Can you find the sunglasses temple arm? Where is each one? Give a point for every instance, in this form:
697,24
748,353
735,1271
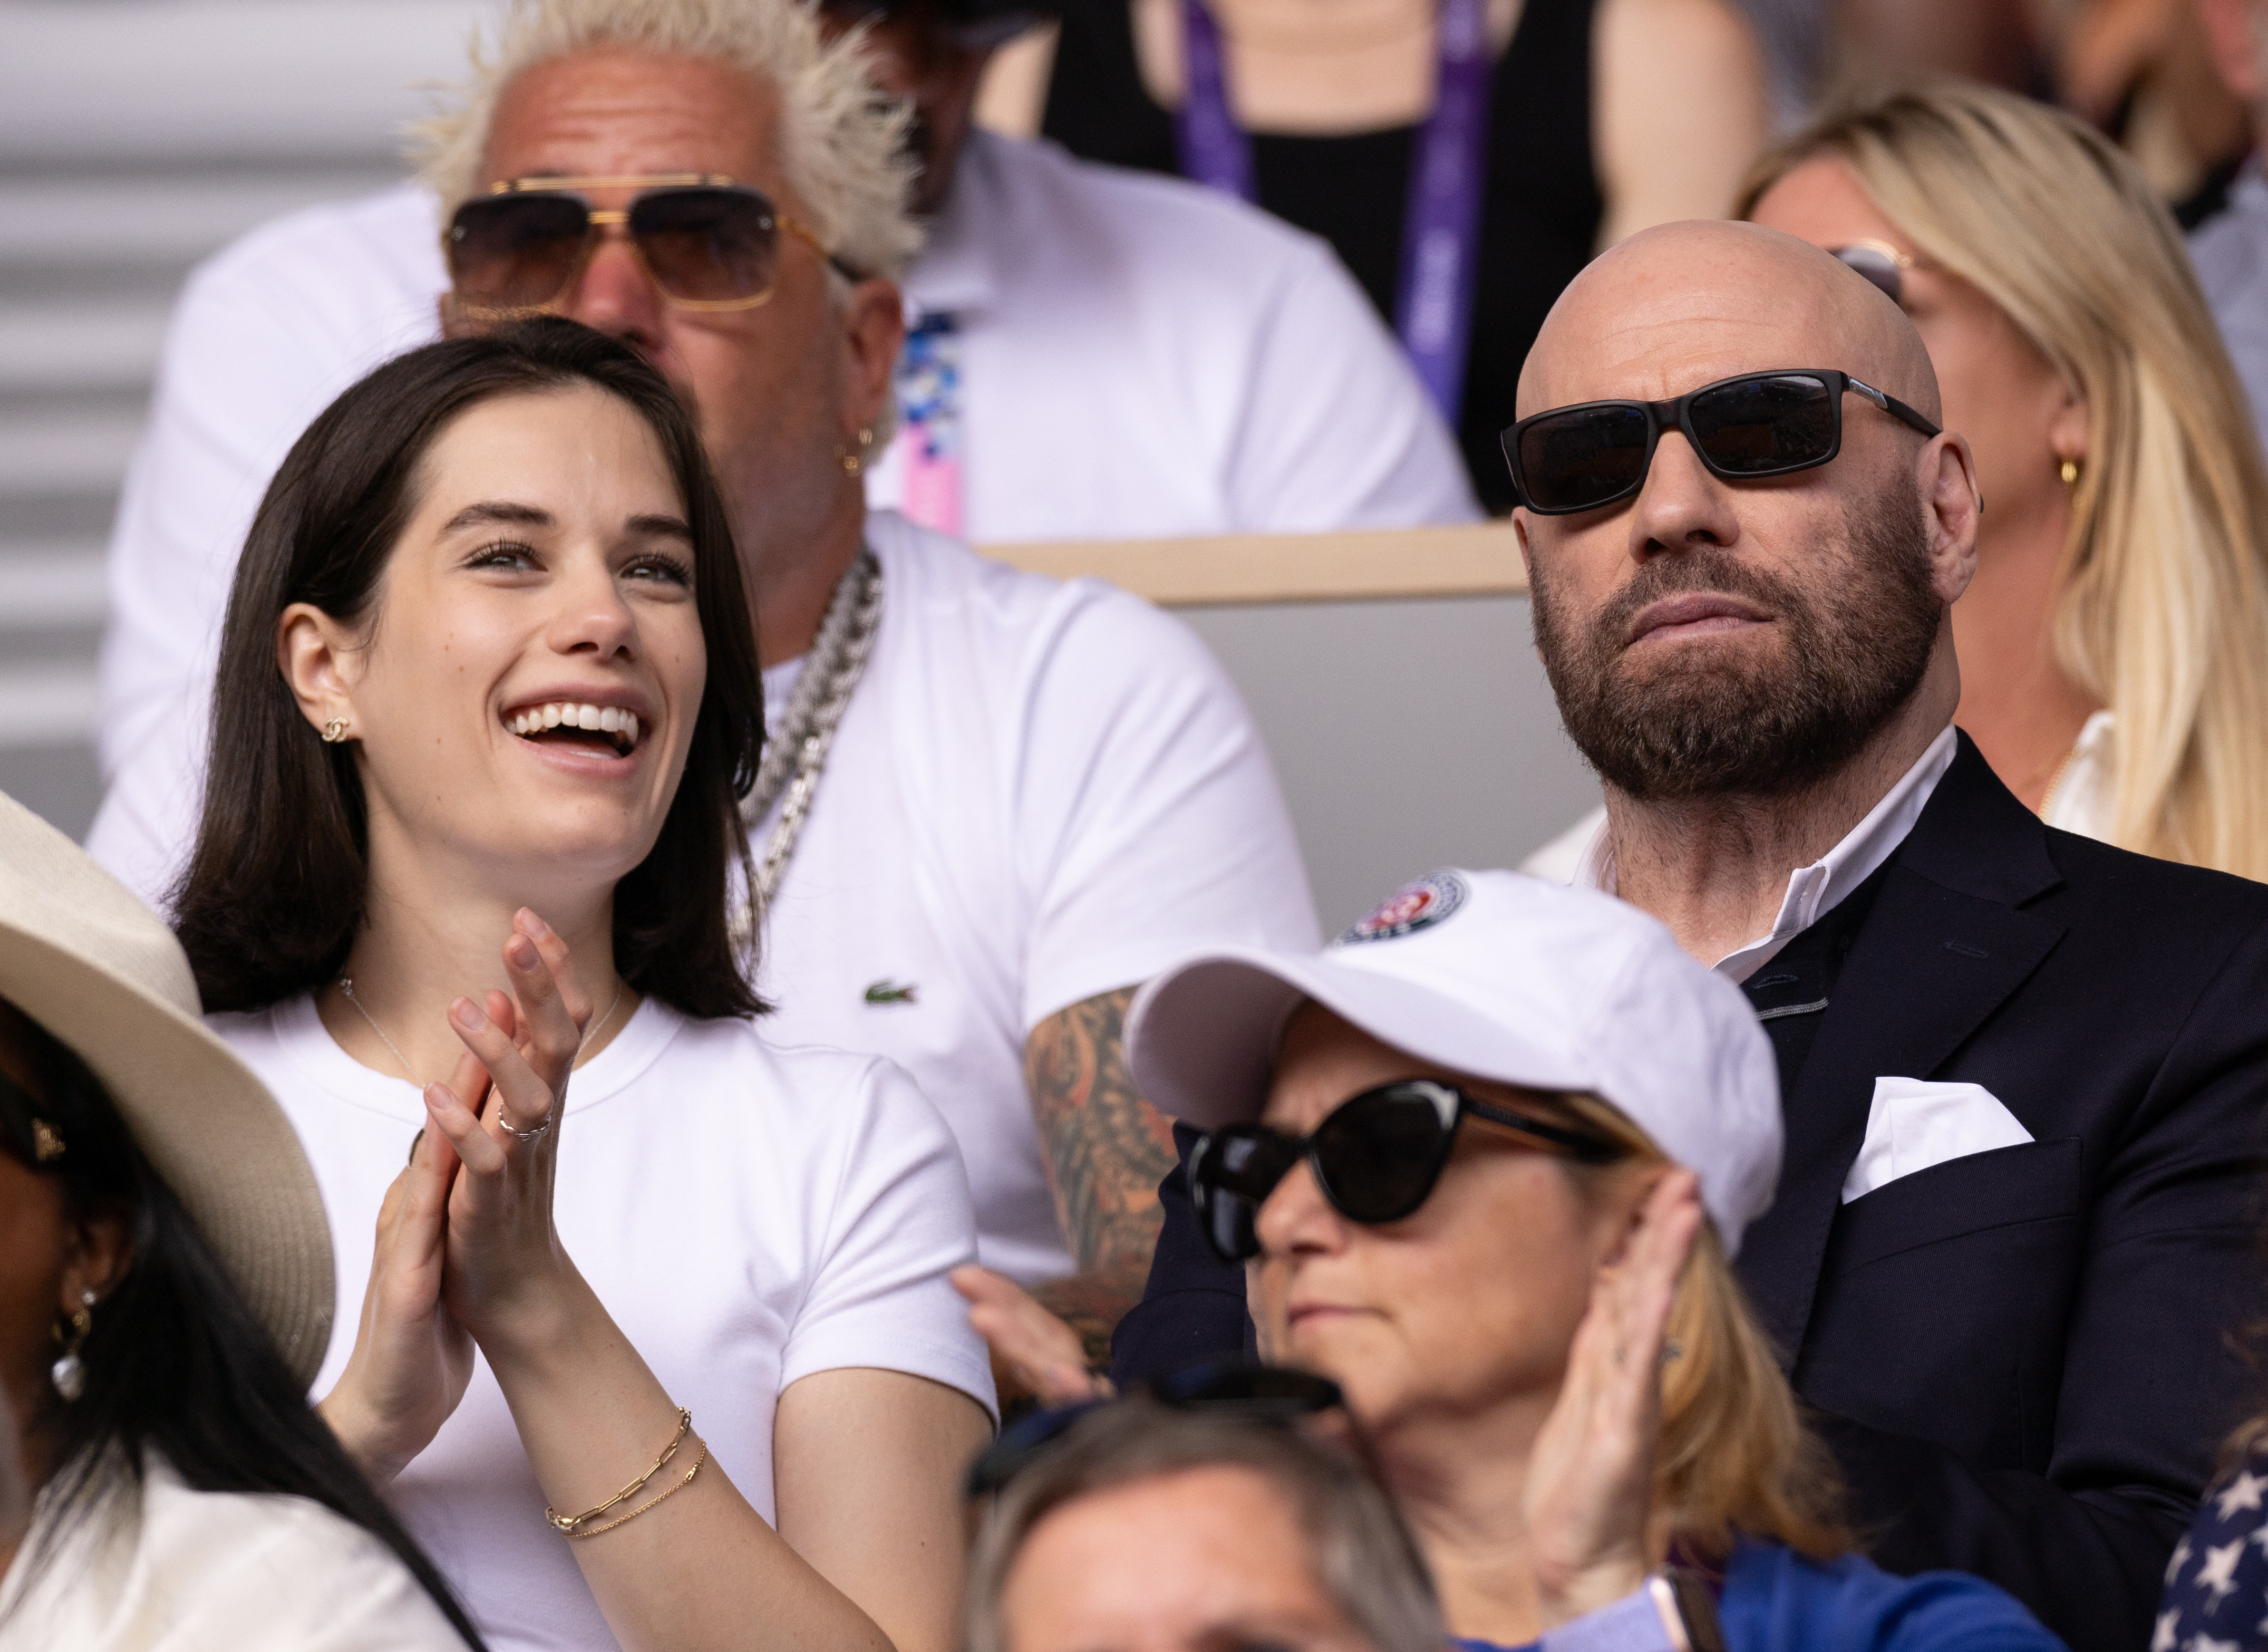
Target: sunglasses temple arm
1895,408
1591,1149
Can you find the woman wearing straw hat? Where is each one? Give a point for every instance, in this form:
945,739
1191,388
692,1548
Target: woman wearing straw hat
164,1295
488,656
1486,1158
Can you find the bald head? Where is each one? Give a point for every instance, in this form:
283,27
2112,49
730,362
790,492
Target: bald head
1683,305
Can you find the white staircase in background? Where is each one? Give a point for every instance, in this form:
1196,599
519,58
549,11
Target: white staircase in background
137,136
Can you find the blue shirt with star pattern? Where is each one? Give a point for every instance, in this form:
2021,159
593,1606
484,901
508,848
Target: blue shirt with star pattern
2216,1597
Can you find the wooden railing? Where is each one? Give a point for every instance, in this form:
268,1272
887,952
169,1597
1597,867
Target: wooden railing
1477,559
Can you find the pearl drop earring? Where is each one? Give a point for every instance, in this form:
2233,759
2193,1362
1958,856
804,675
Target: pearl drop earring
67,1374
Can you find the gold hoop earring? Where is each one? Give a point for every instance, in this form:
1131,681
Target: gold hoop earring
2069,471
853,464
67,1373
335,730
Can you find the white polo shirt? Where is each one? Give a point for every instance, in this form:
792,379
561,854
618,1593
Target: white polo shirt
1041,791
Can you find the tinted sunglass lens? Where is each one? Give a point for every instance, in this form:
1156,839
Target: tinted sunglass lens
1583,457
1877,266
1760,426
1232,1173
516,252
1377,1157
708,246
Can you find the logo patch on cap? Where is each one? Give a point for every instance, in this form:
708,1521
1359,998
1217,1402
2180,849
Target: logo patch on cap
1414,906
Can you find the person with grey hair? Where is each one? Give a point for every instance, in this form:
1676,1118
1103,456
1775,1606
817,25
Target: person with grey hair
1151,1528
990,803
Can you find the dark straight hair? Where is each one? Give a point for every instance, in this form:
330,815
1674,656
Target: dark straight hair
176,1363
274,889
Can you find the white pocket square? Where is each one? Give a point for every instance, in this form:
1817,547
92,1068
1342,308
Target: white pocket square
1914,1124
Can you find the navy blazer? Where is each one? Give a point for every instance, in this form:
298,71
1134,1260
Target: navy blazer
2026,1359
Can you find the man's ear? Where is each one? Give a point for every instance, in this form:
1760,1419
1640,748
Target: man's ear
1952,506
321,660
874,332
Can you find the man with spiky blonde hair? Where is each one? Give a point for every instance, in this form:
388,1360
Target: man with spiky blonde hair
990,804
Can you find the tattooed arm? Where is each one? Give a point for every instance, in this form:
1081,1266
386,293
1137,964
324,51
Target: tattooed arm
1106,1150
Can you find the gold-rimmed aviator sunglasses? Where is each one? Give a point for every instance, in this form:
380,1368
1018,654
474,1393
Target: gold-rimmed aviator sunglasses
706,241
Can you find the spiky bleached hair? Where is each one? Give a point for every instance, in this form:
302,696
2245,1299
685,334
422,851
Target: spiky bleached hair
841,141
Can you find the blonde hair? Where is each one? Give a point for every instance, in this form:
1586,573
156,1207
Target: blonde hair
2162,614
1735,1458
841,141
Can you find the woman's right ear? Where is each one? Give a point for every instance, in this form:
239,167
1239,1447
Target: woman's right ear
311,650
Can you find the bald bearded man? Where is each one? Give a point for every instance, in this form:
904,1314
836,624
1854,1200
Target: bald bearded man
2024,1075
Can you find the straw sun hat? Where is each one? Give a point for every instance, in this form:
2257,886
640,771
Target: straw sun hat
96,968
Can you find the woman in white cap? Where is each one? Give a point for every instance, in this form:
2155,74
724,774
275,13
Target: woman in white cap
1486,1158
165,1295
487,657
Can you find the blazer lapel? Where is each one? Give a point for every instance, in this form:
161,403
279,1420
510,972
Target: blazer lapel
1942,948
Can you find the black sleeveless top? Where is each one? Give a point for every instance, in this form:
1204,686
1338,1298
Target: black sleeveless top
1539,221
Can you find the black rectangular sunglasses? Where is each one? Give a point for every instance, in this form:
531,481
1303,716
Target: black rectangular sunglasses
1758,424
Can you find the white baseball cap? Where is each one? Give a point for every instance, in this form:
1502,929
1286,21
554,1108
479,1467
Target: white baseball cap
1498,976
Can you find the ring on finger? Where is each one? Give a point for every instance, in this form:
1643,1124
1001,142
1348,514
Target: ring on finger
536,1134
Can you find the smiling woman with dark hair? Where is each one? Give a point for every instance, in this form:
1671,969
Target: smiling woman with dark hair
487,704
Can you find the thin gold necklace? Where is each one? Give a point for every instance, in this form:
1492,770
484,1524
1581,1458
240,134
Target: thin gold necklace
346,986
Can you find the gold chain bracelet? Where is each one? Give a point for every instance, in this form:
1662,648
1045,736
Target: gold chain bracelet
701,1456
572,1525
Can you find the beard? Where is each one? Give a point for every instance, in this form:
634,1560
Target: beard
1698,720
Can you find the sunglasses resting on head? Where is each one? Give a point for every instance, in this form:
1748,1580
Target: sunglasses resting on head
706,243
1273,1393
1743,429
1376,1158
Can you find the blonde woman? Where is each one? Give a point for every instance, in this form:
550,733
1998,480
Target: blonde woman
1487,1163
2114,645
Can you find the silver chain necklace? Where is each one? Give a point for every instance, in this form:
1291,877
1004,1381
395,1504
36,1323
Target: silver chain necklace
346,986
795,757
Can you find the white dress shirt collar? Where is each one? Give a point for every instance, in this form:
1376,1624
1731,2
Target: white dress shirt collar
1815,889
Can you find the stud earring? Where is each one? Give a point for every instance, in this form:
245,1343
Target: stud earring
335,730
67,1373
854,463
2069,471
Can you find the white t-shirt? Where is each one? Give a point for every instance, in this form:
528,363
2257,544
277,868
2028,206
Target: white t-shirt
177,1570
748,1215
1041,791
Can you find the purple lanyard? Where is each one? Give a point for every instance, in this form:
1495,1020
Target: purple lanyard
1448,168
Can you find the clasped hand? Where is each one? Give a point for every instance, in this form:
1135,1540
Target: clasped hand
467,1248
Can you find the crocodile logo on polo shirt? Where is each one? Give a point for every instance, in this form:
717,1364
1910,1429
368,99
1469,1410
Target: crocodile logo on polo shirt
888,992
